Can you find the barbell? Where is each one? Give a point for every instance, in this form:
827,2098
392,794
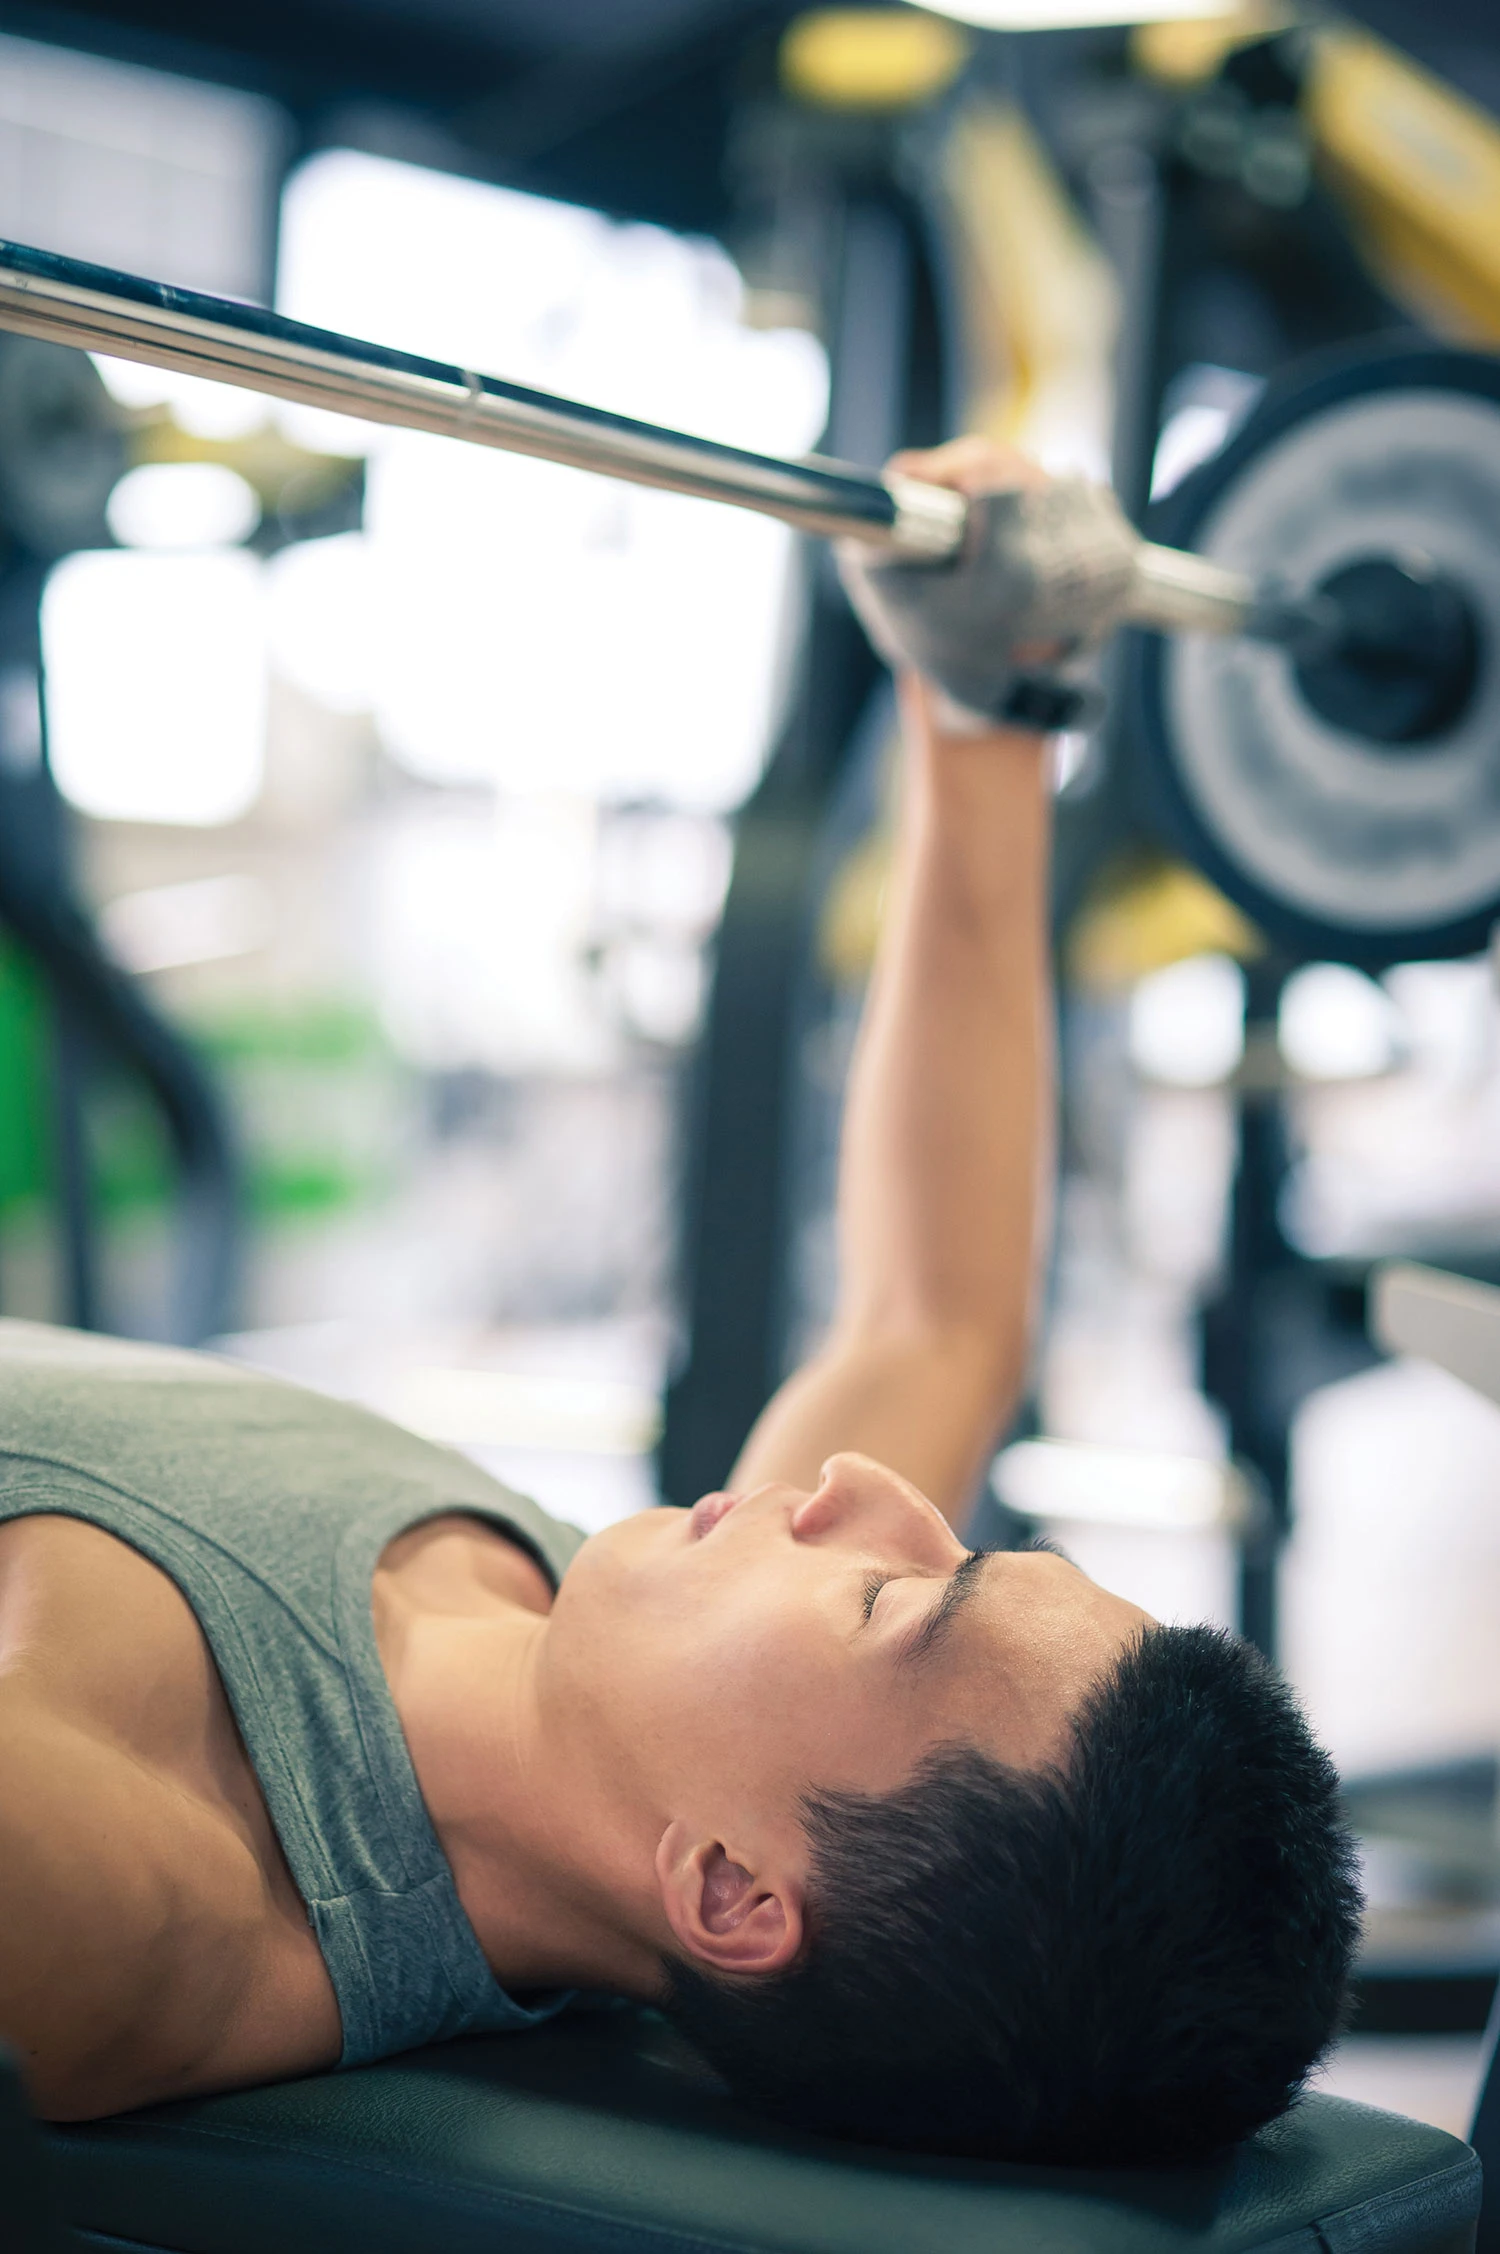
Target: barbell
1321,729
67,301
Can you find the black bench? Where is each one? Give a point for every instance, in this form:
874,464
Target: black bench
604,2134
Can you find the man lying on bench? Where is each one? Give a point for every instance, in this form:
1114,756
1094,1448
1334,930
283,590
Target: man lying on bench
316,1743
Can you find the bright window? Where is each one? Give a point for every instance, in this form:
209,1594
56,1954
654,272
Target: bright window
507,621
156,684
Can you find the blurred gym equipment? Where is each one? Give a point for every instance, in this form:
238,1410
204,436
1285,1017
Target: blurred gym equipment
1450,1320
1297,195
61,450
1454,1322
1345,802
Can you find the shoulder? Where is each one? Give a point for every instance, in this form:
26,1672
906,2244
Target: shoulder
146,1917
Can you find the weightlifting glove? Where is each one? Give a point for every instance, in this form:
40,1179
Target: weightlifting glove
1050,565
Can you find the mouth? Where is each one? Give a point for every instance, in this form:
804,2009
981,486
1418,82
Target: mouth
707,1512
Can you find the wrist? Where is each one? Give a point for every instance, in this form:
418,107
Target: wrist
938,730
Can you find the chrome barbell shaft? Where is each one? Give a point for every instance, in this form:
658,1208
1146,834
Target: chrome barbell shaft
68,301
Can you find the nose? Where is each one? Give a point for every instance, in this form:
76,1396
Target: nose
857,1498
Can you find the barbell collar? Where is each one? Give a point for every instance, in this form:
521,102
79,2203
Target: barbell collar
930,519
1177,592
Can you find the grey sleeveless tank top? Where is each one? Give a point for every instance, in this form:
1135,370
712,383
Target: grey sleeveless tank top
269,1507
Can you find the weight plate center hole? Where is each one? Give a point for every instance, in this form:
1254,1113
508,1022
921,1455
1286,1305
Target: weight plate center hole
1404,658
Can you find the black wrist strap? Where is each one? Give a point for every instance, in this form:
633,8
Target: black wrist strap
1041,701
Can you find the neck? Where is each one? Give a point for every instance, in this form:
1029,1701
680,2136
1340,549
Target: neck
550,1873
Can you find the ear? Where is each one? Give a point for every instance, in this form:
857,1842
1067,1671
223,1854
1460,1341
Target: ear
722,1914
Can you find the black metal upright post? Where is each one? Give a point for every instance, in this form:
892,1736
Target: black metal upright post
1243,1368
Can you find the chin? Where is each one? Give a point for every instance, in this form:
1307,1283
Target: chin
617,1555
619,1618
645,1585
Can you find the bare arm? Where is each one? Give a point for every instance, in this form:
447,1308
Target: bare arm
125,1972
947,1130
86,1927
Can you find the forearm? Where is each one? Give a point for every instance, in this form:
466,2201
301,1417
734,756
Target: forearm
947,1136
947,1128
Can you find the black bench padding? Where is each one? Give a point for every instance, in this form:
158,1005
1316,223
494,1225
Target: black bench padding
602,2133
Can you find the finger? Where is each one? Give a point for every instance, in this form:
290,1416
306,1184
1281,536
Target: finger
971,464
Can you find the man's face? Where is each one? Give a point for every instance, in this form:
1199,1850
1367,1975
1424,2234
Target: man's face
726,1660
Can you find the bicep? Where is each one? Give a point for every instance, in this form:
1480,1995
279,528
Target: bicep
929,1405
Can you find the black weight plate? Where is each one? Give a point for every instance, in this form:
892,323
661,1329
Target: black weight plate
1340,847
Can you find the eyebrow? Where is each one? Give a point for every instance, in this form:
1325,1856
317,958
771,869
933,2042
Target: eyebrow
961,1585
1045,1543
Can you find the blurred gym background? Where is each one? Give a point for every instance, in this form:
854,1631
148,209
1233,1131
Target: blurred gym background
436,889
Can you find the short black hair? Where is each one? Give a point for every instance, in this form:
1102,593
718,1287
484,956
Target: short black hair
1135,1958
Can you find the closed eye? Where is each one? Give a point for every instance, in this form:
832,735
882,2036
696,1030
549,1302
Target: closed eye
874,1583
940,1619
